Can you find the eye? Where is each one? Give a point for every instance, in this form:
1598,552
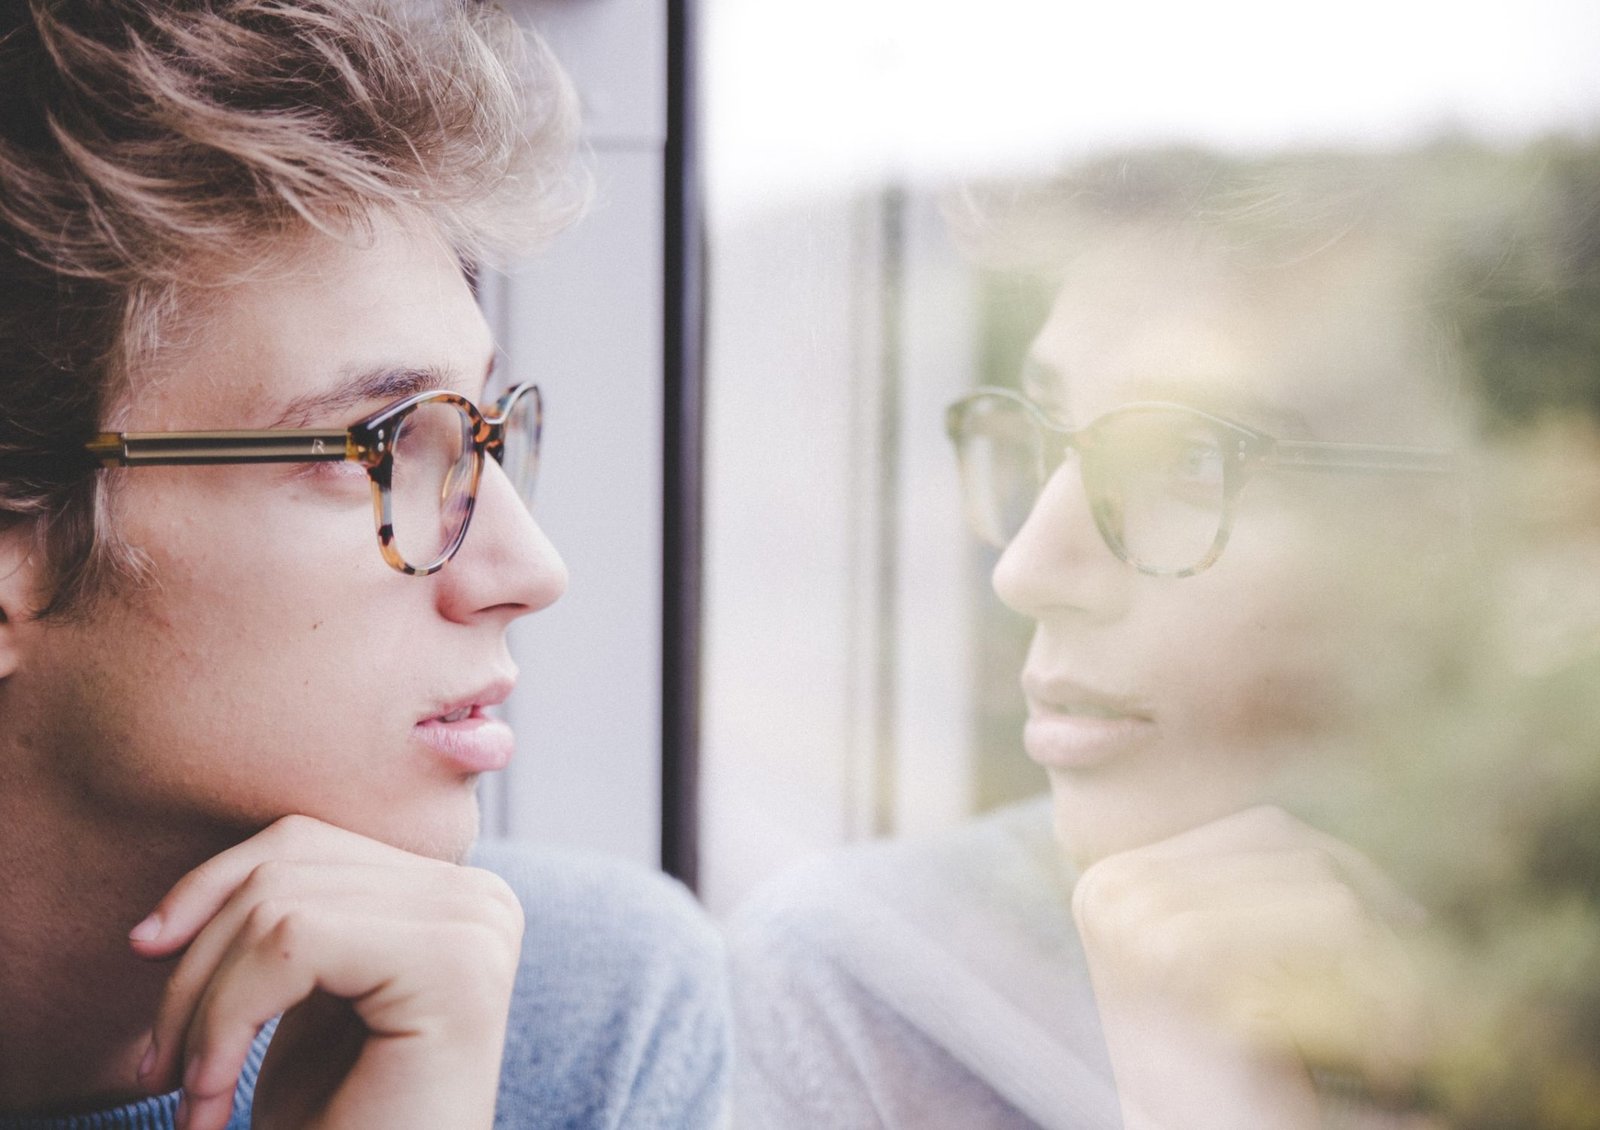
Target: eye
1195,459
331,476
1159,444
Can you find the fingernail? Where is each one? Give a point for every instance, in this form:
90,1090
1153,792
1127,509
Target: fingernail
148,930
148,1063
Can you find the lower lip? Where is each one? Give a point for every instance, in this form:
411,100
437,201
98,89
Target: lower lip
1081,741
476,744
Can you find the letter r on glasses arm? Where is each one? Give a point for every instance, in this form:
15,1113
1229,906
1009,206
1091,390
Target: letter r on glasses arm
280,445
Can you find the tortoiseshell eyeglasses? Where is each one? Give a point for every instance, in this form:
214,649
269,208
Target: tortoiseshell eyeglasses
424,455
1162,479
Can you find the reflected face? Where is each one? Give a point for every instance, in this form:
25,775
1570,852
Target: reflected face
1157,704
275,663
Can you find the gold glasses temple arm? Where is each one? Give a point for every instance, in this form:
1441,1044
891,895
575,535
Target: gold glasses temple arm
283,445
1380,458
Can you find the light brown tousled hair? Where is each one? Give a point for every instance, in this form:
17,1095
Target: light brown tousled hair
140,139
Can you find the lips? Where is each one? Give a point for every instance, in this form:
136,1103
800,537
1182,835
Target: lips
1072,725
453,708
464,736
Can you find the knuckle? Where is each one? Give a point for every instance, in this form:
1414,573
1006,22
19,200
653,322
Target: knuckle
467,954
1189,957
293,827
1174,949
268,916
485,883
266,879
1093,892
1112,890
507,919
491,899
286,937
488,958
182,986
1318,863
1271,819
211,1077
1347,907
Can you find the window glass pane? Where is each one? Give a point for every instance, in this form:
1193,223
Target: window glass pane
1258,765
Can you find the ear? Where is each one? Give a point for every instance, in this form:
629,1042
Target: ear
18,580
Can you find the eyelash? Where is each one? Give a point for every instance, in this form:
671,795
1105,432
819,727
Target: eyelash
331,473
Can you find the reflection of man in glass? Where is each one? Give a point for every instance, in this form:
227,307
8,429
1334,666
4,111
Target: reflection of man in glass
1232,494
263,529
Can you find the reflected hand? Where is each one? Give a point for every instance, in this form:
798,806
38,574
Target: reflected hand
1230,961
393,972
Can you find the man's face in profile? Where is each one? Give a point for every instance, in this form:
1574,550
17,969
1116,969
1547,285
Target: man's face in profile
1159,704
273,663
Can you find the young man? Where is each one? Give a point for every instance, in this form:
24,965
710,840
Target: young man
240,727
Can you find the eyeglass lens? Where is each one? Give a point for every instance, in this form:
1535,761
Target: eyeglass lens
431,481
1156,479
519,452
435,470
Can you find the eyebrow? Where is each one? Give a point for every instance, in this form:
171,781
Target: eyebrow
386,383
1233,404
1043,384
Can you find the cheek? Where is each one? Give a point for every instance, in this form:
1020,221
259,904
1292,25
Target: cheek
1277,641
233,720
244,525
268,638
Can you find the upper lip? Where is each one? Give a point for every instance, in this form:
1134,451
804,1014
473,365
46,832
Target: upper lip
1060,694
492,693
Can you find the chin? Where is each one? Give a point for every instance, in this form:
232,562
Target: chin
448,840
444,832
1091,826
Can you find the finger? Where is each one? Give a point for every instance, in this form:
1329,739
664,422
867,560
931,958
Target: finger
1315,975
1267,828
380,894
1138,892
196,898
1371,1015
279,960
1222,946
264,972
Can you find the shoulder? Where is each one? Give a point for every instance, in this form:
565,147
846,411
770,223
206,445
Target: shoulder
930,978
1001,871
576,899
620,1015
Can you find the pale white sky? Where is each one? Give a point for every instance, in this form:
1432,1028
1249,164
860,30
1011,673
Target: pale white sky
810,96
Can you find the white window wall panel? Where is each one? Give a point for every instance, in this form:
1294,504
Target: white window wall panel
616,53
935,583
584,320
775,734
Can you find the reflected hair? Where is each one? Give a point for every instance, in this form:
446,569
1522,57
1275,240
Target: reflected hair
1502,245
147,144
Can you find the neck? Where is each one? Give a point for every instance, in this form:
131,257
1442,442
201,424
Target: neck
78,1003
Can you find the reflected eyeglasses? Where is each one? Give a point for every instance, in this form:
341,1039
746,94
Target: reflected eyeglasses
1162,479
424,455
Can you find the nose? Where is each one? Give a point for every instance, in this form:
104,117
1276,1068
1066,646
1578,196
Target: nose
506,567
1058,563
